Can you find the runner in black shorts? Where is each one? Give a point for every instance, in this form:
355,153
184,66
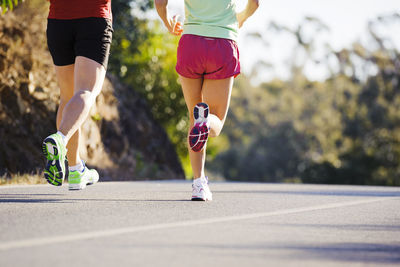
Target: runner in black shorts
87,37
79,34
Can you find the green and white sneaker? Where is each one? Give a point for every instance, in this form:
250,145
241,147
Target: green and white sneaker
55,152
79,180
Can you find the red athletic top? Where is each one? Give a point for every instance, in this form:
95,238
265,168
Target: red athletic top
76,9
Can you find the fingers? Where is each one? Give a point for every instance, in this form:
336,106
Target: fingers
176,25
175,18
178,28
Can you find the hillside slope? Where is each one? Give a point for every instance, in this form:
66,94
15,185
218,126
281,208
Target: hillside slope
120,137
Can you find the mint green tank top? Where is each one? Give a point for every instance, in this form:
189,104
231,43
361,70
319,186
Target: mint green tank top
211,18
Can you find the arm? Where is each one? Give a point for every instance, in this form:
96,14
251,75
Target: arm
251,7
172,24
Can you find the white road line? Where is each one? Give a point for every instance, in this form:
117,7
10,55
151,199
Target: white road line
127,230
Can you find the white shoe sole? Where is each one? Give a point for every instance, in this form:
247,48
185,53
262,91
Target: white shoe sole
77,186
201,197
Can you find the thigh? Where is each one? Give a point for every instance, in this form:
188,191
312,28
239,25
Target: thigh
217,94
191,89
88,75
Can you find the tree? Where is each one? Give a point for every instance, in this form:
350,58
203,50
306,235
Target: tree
143,56
344,130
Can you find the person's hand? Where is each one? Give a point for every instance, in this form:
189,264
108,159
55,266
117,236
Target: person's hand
174,26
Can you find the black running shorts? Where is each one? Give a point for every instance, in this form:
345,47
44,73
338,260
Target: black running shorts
86,37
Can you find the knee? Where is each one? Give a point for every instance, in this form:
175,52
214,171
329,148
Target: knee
214,132
87,96
217,122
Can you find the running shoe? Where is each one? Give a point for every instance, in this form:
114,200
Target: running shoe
79,180
57,165
199,133
200,190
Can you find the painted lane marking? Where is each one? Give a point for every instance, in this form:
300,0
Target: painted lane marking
127,230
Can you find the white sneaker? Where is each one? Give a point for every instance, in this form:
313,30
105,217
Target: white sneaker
200,190
78,180
199,133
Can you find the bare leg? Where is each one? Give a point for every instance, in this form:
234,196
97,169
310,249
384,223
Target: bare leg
216,93
89,77
65,77
192,92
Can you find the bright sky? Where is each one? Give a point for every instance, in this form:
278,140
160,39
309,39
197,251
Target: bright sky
346,19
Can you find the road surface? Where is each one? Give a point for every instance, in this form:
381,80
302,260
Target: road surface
155,224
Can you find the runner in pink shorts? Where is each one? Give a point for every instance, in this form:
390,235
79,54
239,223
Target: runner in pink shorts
202,57
207,63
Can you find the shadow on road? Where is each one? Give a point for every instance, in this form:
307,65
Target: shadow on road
22,200
347,227
349,193
31,198
337,252
351,252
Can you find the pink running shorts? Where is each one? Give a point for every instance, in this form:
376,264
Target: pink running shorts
207,57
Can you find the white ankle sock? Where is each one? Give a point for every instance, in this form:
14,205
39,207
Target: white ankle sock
199,180
78,167
63,137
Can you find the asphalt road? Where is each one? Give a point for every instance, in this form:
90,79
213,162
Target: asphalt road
155,224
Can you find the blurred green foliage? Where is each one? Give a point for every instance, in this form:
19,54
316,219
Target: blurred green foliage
344,130
6,5
143,56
